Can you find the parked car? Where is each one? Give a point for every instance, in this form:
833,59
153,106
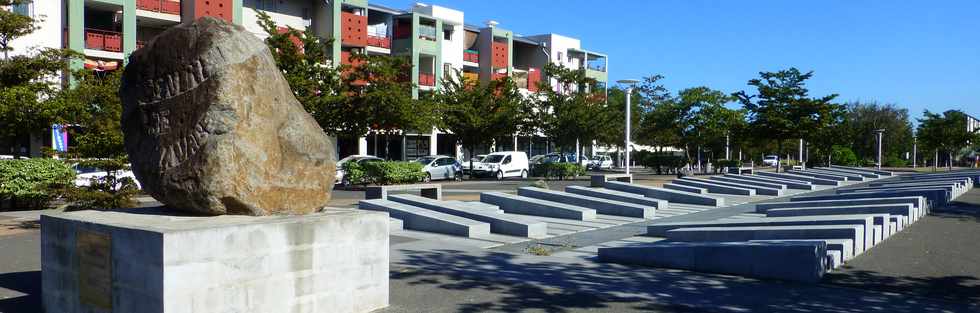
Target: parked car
475,161
770,160
84,175
361,159
601,162
504,164
440,167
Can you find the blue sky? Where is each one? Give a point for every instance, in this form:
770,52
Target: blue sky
916,54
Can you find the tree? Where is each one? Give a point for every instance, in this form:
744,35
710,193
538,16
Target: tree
862,119
566,114
94,110
613,114
476,113
27,80
781,109
946,132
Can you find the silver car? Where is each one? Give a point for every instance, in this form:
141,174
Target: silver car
440,167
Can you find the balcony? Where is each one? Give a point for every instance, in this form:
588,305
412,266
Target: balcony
353,29
103,40
497,76
427,79
527,78
471,56
427,32
161,6
501,55
378,41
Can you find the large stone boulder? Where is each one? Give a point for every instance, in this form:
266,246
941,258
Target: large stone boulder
212,127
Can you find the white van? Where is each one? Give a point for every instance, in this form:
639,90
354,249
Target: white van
503,164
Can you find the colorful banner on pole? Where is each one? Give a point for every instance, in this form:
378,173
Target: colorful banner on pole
59,138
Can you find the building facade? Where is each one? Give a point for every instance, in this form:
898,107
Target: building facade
439,41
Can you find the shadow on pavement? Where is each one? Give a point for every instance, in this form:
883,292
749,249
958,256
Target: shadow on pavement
559,285
28,283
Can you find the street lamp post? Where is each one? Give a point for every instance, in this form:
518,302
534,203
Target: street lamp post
629,94
915,143
880,132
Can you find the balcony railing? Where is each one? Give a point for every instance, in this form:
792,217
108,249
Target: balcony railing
471,56
427,32
103,40
427,79
162,6
377,41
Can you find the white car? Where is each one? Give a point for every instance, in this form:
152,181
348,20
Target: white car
341,175
504,164
600,162
440,167
476,161
85,175
771,160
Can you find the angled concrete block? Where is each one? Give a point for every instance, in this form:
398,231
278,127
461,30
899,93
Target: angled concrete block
862,169
713,187
813,180
600,205
839,170
853,232
667,194
844,246
849,176
476,206
917,201
818,175
894,209
499,223
416,218
601,179
793,261
758,190
618,196
867,222
747,182
684,188
531,206
791,184
935,197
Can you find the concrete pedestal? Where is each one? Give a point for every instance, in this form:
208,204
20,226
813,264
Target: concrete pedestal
335,261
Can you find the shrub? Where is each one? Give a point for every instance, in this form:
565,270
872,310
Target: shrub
354,173
661,161
724,164
105,192
559,170
895,161
33,183
392,172
844,156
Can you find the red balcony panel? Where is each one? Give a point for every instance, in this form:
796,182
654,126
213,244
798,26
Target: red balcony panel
353,29
533,78
149,5
94,40
500,55
497,76
381,42
471,56
427,79
170,7
113,42
215,8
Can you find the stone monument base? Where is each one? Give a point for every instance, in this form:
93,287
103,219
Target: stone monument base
155,262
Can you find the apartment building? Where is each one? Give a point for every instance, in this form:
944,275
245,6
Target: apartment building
438,40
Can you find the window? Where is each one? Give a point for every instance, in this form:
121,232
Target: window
561,57
506,160
447,34
26,9
447,70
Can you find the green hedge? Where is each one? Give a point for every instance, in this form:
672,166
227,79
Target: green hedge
844,156
104,192
660,161
560,170
354,173
32,183
895,161
724,164
392,172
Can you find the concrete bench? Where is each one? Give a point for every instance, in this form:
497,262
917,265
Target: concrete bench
791,184
741,170
951,191
618,196
935,197
667,194
862,169
792,261
600,205
499,223
902,209
844,246
600,180
714,188
960,182
840,170
684,188
758,190
432,191
818,175
416,218
917,202
531,206
848,176
812,180
475,206
853,232
867,223
732,179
